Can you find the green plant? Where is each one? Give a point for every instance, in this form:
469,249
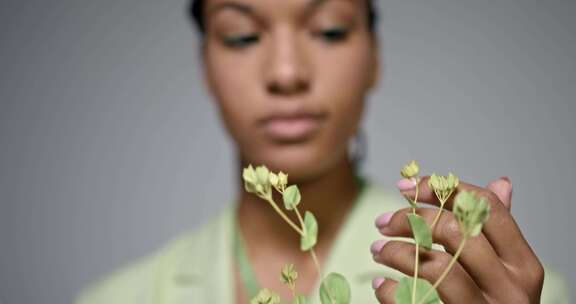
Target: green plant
470,211
334,288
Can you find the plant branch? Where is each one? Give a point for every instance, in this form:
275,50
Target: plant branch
300,219
316,264
416,261
417,255
283,215
446,271
437,217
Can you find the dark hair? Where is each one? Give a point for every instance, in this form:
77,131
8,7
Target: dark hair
195,9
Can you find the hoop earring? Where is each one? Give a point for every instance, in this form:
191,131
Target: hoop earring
358,149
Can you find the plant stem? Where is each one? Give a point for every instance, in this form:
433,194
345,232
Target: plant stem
417,189
416,261
437,217
442,202
316,264
300,219
447,270
417,255
284,216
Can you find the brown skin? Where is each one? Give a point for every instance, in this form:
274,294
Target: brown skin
497,266
286,63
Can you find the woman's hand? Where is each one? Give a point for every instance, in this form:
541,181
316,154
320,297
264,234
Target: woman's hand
497,266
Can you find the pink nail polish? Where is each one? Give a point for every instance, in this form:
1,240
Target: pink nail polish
406,184
377,282
383,220
377,246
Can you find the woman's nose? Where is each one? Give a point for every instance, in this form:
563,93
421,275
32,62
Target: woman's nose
286,68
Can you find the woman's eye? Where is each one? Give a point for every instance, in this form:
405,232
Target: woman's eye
240,40
333,34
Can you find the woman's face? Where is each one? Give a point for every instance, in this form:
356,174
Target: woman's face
290,78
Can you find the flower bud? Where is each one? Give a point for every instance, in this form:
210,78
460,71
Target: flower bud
273,178
282,180
443,186
266,296
410,170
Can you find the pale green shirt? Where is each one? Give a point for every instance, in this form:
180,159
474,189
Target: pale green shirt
197,268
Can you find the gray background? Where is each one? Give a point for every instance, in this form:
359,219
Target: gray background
110,145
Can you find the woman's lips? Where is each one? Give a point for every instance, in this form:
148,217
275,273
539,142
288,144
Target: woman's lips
291,128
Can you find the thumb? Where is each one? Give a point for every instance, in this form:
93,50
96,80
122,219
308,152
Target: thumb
502,187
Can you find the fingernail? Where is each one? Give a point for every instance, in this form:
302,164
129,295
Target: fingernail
406,184
383,219
377,246
506,178
377,282
511,191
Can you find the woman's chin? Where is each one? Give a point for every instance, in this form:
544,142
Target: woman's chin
300,163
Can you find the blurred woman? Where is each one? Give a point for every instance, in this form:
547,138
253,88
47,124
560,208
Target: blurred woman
290,78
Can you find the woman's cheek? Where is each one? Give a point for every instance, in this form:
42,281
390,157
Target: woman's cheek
236,92
344,92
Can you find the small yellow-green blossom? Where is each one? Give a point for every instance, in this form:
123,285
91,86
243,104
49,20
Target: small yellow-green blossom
262,175
410,170
273,178
471,211
266,296
257,180
249,177
443,186
288,275
282,180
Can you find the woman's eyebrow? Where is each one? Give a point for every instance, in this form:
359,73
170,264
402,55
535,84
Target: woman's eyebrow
314,5
246,9
237,6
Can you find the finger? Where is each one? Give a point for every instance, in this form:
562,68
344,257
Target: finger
384,290
502,187
477,253
531,275
501,229
457,287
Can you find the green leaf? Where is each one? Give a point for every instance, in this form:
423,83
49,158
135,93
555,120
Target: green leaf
420,230
299,299
308,240
266,296
471,211
291,197
403,292
335,289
